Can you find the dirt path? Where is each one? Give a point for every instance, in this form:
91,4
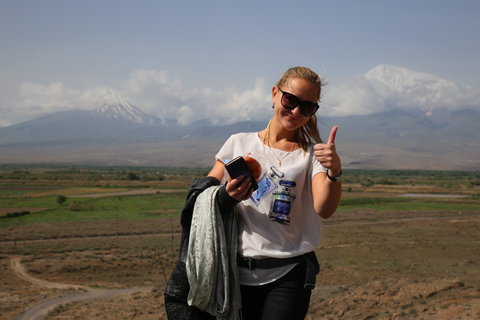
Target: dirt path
40,310
125,193
17,267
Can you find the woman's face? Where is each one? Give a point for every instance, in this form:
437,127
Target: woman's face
303,90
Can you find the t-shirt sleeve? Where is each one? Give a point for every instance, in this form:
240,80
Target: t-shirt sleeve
225,153
316,166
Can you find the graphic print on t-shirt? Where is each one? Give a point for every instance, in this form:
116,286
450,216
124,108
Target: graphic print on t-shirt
282,203
267,185
282,200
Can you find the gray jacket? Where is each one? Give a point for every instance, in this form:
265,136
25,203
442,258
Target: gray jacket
212,258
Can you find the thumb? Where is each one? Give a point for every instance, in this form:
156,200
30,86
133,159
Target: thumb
333,133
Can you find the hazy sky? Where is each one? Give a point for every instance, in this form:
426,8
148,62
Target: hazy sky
194,59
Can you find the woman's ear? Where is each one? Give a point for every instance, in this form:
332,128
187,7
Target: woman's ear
274,94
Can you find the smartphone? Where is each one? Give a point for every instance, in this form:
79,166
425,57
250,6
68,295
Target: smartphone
238,167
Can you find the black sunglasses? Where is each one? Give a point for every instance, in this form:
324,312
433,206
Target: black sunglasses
290,102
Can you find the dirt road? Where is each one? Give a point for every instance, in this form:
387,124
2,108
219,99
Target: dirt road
40,310
17,267
125,193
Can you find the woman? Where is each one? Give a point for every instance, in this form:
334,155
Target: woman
279,224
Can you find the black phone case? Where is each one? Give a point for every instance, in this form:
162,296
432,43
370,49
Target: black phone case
238,167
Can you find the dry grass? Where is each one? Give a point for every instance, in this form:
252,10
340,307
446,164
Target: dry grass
374,264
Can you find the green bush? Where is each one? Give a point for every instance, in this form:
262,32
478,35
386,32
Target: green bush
386,182
61,199
132,176
367,183
15,214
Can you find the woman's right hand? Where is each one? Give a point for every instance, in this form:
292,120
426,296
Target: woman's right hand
239,188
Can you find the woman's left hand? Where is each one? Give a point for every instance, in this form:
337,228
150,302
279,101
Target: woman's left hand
327,155
239,188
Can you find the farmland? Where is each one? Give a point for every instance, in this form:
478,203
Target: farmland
402,244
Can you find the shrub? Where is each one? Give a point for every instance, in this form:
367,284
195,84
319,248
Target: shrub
15,214
81,207
386,182
132,176
61,199
367,183
74,207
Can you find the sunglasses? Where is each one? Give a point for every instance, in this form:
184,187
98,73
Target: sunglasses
290,102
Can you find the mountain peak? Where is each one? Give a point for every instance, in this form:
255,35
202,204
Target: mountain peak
404,80
424,90
117,107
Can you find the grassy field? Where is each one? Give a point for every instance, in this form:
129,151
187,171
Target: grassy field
382,256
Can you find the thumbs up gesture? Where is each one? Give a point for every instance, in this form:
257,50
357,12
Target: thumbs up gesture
327,155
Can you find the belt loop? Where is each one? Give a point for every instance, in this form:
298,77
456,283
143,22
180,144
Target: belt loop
248,263
251,263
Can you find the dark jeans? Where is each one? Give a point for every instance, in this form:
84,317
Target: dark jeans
284,299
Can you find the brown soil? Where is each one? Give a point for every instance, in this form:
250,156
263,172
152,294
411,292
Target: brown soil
393,265
19,270
40,310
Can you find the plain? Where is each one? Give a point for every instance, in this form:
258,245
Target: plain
383,255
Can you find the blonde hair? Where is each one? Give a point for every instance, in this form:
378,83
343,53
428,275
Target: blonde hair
308,133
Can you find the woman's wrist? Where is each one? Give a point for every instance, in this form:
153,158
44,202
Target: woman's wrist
335,176
224,200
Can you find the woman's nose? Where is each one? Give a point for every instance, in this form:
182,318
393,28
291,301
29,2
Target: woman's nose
296,111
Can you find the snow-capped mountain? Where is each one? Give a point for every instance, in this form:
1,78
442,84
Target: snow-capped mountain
424,90
407,119
404,80
116,107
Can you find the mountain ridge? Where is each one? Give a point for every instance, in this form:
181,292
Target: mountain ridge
412,141
118,130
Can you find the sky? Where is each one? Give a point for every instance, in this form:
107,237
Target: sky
219,60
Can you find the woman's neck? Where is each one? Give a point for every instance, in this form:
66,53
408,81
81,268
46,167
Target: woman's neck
276,136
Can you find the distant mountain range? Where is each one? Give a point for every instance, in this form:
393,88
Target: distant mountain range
117,132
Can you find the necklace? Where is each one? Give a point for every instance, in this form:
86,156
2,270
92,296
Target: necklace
275,152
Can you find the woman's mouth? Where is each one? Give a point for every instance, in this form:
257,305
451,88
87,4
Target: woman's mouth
292,118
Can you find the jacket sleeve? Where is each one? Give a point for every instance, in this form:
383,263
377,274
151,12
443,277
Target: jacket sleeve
224,201
177,288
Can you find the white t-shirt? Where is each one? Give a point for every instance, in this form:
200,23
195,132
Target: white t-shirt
285,192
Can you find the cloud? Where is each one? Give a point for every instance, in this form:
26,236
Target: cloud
404,90
356,96
151,82
154,92
42,99
163,95
250,104
185,116
36,100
